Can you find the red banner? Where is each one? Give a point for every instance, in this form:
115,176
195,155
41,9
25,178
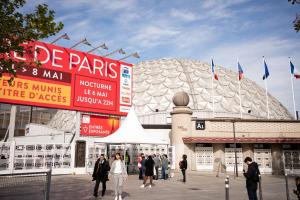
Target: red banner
70,79
101,126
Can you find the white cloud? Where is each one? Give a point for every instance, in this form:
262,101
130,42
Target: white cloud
220,8
184,15
153,35
276,51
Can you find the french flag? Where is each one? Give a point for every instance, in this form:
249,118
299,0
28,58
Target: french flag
213,70
295,74
241,72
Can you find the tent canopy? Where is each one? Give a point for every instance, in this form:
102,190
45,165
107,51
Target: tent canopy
131,132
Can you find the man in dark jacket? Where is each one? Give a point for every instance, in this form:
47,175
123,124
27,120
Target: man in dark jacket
252,178
100,174
183,167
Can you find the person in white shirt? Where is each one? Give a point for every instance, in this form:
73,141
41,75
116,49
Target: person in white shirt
119,172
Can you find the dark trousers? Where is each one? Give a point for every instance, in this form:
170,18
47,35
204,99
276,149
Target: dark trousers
97,187
156,170
141,174
163,171
252,193
183,174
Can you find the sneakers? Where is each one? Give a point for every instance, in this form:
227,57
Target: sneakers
116,198
142,186
120,197
150,186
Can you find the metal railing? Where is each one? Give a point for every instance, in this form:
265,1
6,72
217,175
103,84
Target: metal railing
32,185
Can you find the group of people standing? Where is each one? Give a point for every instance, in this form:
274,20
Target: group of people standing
119,173
147,164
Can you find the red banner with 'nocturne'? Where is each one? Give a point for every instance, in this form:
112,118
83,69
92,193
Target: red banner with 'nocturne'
69,79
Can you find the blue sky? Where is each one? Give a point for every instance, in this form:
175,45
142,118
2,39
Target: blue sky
222,29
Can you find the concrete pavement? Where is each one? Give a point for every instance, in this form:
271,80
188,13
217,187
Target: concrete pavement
199,186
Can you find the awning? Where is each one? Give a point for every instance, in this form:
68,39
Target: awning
239,140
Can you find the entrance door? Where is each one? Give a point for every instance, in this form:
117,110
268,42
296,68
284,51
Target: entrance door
80,154
94,152
263,158
292,161
230,159
204,158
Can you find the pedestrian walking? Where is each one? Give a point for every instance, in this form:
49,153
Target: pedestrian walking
140,166
118,170
297,191
100,174
157,164
164,166
127,161
252,178
183,167
149,165
143,163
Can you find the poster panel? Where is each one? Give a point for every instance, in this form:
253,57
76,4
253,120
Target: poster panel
69,79
101,126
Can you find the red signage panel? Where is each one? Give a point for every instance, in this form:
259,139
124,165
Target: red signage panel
70,79
100,126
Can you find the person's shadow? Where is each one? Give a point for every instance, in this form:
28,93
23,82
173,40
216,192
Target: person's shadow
111,193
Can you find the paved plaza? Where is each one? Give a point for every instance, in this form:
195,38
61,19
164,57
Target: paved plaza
199,186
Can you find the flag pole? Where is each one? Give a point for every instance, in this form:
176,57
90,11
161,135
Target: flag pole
266,87
239,83
212,86
292,83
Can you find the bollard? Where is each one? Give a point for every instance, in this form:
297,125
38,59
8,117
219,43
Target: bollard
287,187
260,190
227,188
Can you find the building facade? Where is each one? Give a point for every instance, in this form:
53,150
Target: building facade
211,144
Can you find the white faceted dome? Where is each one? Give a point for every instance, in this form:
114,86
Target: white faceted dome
155,83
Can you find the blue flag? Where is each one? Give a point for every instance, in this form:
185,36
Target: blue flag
266,75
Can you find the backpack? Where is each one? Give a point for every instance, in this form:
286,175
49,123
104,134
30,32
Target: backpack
181,164
257,173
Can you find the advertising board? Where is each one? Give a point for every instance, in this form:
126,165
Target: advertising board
69,79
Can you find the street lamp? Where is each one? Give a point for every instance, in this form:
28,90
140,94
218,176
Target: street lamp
64,36
83,41
120,51
233,120
136,55
235,156
103,46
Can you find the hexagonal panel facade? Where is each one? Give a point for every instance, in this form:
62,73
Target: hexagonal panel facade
155,83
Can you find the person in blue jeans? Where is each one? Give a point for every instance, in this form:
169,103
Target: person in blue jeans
143,163
164,166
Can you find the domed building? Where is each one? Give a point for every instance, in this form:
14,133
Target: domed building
177,101
210,121
155,83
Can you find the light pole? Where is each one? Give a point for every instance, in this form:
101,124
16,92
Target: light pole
233,121
120,51
83,41
136,55
103,46
235,156
64,36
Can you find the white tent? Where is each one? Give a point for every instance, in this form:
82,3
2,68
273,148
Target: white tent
131,132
